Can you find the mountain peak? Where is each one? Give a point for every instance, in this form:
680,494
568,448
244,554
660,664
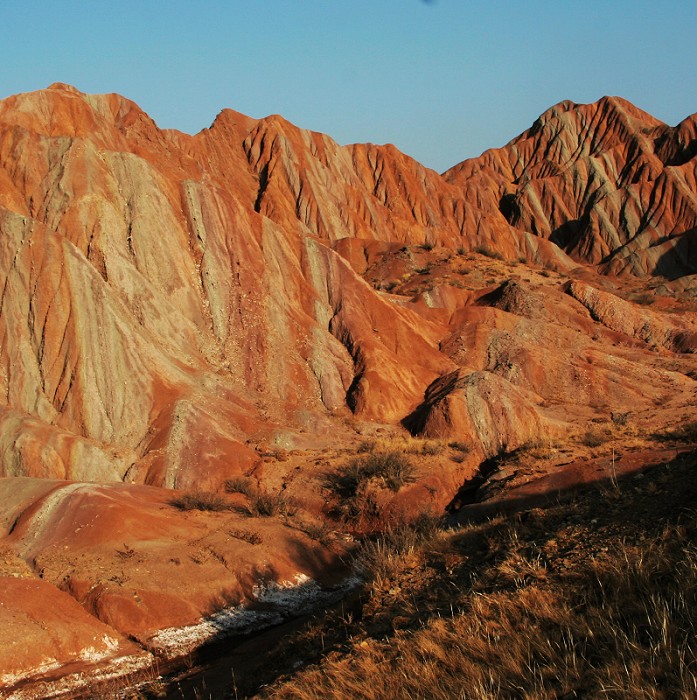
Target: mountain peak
65,87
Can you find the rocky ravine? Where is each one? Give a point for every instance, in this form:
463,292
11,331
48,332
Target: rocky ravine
179,311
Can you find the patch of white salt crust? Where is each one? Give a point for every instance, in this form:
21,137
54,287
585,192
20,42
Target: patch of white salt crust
116,668
282,601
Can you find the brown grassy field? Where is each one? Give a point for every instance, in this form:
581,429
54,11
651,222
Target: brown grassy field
590,599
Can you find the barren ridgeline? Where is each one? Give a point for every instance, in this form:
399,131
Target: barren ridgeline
233,360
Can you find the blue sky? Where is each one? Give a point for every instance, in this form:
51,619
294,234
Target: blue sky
442,80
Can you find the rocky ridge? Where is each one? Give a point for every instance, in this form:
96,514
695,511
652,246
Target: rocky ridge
248,303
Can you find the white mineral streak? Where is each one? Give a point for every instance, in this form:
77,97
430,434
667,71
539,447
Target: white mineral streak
281,600
116,668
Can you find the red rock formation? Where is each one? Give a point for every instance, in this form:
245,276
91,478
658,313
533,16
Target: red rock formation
607,182
160,287
171,303
142,290
45,629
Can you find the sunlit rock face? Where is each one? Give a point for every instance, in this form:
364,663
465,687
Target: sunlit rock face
168,297
252,302
608,183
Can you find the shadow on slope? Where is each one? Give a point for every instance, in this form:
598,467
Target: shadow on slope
588,578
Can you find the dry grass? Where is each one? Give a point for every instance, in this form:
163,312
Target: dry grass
687,432
263,504
595,437
574,601
200,500
400,547
243,485
625,630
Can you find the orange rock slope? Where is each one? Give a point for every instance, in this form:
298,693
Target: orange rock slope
166,297
177,308
608,183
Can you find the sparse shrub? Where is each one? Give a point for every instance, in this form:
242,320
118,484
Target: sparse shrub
459,446
461,251
594,438
200,500
619,418
484,250
457,458
261,503
426,246
390,470
241,485
423,270
348,479
265,505
245,536
366,446
393,468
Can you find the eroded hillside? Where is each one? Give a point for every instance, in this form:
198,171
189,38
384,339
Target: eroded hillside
239,315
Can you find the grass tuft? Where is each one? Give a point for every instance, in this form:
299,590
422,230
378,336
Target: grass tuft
263,504
241,485
245,536
200,500
488,252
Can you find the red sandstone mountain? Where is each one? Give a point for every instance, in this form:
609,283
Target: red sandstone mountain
145,270
176,308
607,182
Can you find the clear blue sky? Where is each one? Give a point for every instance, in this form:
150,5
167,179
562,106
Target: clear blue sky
443,80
